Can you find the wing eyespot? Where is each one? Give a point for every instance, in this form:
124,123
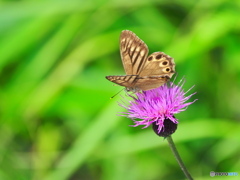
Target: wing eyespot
150,58
159,56
167,70
165,63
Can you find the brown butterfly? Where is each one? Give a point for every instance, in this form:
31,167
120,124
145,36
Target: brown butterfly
142,72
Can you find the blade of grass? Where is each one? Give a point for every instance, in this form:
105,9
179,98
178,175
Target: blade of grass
86,142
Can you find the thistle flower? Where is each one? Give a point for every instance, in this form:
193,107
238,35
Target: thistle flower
158,107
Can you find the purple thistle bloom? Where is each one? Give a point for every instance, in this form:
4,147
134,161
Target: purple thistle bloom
158,106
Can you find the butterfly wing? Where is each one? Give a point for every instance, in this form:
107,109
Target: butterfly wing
158,64
158,69
133,52
147,83
126,81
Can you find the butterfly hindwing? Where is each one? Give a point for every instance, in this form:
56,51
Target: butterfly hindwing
158,64
150,82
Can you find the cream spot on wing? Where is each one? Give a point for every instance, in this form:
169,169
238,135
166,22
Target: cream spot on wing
138,49
132,48
142,53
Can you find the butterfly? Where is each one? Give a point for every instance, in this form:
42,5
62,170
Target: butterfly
142,72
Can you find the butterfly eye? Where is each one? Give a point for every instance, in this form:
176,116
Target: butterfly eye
159,56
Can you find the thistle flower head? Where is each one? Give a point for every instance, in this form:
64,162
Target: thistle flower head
158,107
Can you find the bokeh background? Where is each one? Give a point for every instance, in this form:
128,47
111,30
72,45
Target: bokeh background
57,119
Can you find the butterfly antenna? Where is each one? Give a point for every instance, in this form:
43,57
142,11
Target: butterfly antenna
116,94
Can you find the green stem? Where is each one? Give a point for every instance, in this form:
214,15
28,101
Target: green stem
178,158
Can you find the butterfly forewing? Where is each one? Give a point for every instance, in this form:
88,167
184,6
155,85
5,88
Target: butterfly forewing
133,52
126,81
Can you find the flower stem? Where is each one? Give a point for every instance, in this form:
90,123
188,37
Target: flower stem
178,158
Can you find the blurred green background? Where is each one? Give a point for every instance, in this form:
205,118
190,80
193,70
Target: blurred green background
57,119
